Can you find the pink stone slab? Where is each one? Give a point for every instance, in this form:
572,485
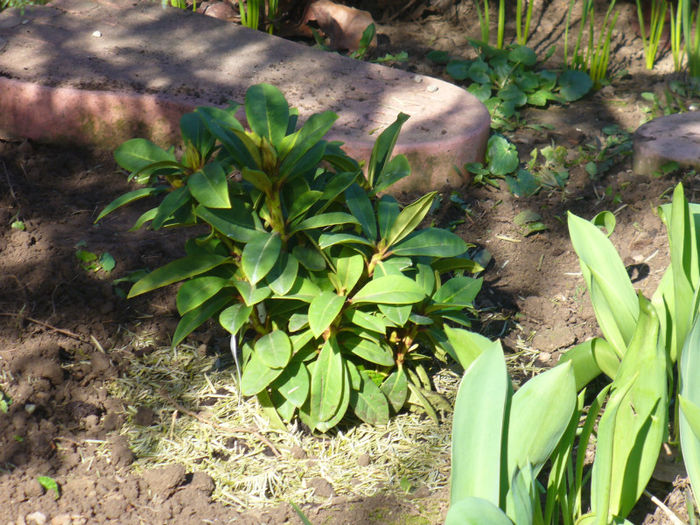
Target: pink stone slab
673,138
98,73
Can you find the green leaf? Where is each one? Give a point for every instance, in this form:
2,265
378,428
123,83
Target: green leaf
235,317
303,203
349,268
135,154
458,291
590,358
267,112
369,351
361,208
274,349
283,274
390,289
368,402
323,220
370,322
294,383
323,310
395,388
223,130
475,511
387,211
251,294
235,223
257,376
309,258
194,292
326,240
177,270
195,132
689,397
327,382
409,218
383,148
209,186
128,198
431,242
259,256
574,84
501,156
458,69
477,427
299,143
196,317
171,203
399,315
394,170
49,484
522,55
466,346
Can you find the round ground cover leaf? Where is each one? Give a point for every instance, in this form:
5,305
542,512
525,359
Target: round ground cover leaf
574,84
458,69
323,310
501,156
480,91
513,94
523,54
274,349
390,289
267,112
259,256
209,186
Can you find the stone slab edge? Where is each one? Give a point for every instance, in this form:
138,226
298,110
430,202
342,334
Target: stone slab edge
672,138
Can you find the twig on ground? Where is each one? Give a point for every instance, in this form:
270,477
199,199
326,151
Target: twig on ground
228,430
67,333
668,512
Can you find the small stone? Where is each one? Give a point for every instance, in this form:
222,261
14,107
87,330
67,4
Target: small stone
297,452
417,79
97,34
322,488
432,88
62,519
91,421
164,480
36,518
363,460
203,482
144,416
202,349
122,455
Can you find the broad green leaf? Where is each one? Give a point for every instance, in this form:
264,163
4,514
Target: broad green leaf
175,271
589,359
476,511
522,55
209,186
383,148
283,274
196,317
195,133
396,169
144,218
477,427
136,154
361,208
395,388
388,210
235,317
129,197
225,132
612,294
274,349
501,156
323,220
431,242
399,315
574,84
294,383
267,112
369,351
259,256
368,402
309,258
274,409
295,146
467,346
390,289
458,291
348,267
194,292
689,397
371,322
258,178
323,310
303,290
521,495
425,277
392,266
171,203
325,426
409,218
327,382
302,204
549,399
252,294
235,223
326,240
257,375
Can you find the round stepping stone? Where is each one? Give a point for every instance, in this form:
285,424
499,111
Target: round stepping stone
673,138
149,65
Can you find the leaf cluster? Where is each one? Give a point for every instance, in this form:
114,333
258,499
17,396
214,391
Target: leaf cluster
330,291
506,80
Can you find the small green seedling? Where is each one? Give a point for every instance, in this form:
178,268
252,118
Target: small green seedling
529,222
501,159
90,261
18,225
5,402
50,484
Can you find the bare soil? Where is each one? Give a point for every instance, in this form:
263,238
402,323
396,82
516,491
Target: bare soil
65,333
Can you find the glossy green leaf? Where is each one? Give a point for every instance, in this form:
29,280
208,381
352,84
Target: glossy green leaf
283,274
396,169
136,154
349,267
390,289
369,351
196,317
235,317
361,208
298,144
467,346
399,315
274,349
323,220
612,294
590,358
689,397
392,266
257,376
259,256
302,204
234,146
196,134
235,223
383,148
130,197
368,402
175,271
431,242
323,310
294,383
388,210
476,511
252,294
395,388
209,186
267,112
368,321
327,382
325,426
326,240
194,292
458,291
409,218
309,258
171,203
477,427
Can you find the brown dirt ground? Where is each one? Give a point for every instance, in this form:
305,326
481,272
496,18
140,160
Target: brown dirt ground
64,333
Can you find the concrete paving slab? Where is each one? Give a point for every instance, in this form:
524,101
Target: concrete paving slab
100,72
673,138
